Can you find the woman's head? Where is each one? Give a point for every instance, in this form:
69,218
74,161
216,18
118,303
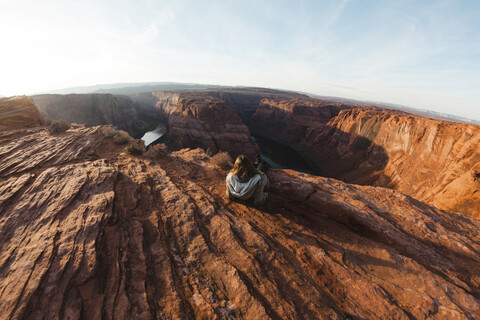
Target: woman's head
243,168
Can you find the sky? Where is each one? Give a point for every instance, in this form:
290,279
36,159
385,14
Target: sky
418,53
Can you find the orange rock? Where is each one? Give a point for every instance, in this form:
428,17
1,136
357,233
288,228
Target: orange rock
19,112
198,120
89,231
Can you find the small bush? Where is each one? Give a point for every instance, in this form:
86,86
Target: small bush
223,160
157,151
78,125
110,133
145,127
58,126
134,149
121,137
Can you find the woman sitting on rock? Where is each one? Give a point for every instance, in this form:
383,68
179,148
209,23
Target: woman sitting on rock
245,182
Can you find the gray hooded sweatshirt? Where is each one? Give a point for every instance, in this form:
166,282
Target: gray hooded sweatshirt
240,188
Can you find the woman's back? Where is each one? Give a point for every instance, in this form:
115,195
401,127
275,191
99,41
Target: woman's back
244,181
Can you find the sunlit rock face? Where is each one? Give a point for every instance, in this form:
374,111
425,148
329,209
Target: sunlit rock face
87,231
433,161
19,112
91,109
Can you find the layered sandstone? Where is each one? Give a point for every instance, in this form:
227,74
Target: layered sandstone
87,231
91,109
287,120
198,120
433,161
19,112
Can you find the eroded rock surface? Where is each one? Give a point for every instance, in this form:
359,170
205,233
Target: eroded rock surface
19,112
87,231
433,161
91,109
199,120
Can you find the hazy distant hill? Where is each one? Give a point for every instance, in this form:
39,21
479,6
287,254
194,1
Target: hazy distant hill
131,88
429,113
136,87
420,112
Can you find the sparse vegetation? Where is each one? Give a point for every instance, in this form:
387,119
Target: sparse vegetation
111,132
145,127
157,151
121,137
78,125
223,160
208,152
58,126
134,149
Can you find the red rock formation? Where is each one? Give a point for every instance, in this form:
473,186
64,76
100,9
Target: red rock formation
19,112
287,120
197,120
433,161
87,231
91,109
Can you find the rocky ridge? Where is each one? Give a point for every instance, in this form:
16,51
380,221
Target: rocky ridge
92,110
199,120
431,160
87,231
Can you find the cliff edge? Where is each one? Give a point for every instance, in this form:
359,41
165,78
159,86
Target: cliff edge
87,231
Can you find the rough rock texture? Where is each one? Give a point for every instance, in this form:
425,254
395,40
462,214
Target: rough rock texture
199,120
19,112
433,161
87,231
287,120
91,109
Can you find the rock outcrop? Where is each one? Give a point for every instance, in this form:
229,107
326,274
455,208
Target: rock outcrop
198,120
288,120
19,112
433,161
92,110
87,231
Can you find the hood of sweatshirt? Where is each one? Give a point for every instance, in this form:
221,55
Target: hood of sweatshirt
240,188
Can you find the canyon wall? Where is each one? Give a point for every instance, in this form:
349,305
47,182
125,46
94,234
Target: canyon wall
198,120
19,112
91,109
88,231
431,160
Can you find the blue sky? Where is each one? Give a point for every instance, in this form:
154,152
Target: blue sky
423,54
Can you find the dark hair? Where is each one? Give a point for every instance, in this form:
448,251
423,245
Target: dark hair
243,168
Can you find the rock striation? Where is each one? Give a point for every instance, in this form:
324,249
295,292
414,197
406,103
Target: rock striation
87,231
198,120
19,112
91,109
433,161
